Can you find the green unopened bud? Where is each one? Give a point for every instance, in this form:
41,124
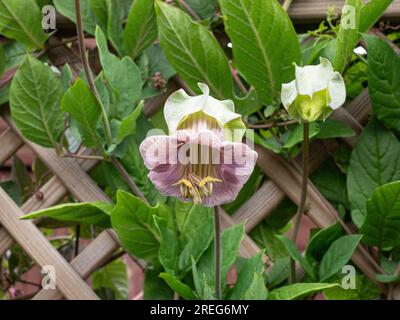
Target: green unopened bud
315,93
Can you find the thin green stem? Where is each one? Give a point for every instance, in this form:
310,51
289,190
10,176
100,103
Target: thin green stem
217,254
88,72
304,185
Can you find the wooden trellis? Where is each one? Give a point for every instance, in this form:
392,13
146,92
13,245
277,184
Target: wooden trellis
71,177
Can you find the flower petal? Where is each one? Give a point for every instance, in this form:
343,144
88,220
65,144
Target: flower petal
337,91
288,93
157,150
238,164
311,79
164,177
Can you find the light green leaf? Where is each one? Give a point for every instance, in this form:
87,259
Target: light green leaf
97,213
382,223
141,28
338,254
22,20
364,289
264,43
296,136
250,284
123,76
179,287
374,161
169,246
83,106
193,51
113,277
330,129
384,81
298,290
348,34
371,12
128,124
196,234
295,254
205,270
321,241
133,221
67,9
34,101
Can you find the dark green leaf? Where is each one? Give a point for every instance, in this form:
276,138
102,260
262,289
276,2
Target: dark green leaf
295,254
264,43
205,9
141,28
364,289
83,106
382,223
374,162
193,51
34,101
113,277
338,254
334,129
128,124
179,287
384,81
155,288
250,284
67,9
296,136
133,220
22,20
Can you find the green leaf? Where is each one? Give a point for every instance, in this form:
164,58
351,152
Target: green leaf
169,246
22,21
141,28
195,236
123,76
97,213
155,288
371,12
83,106
205,9
109,14
338,254
387,278
128,124
382,223
374,161
331,181
204,273
193,51
34,101
295,254
2,59
67,9
348,34
330,129
298,290
113,277
264,44
384,81
296,136
321,241
279,271
364,289
179,287
250,284
133,221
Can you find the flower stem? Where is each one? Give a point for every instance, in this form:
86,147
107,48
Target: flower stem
217,253
300,209
88,72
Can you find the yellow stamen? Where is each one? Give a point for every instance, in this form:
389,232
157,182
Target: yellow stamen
184,182
208,179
